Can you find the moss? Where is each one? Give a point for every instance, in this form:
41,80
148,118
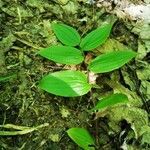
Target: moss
26,27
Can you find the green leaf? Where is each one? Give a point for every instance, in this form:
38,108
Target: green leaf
96,37
65,83
62,54
110,101
81,137
66,34
111,61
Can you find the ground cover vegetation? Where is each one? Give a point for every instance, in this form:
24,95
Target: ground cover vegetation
72,76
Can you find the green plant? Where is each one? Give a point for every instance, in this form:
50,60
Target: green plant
71,83
82,137
74,82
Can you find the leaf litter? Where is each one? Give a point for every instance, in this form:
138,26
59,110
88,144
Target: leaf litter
25,28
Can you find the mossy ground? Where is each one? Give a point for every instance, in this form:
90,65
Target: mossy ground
25,28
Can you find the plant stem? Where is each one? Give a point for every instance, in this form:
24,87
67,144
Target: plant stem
96,121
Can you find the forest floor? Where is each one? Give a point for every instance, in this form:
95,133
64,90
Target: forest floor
25,28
